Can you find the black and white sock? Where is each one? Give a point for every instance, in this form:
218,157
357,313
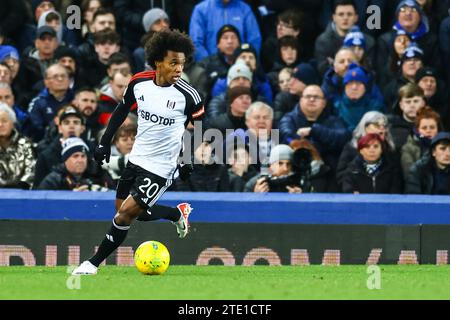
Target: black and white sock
111,242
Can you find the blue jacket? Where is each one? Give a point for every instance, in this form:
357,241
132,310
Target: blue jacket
352,111
328,134
42,110
210,15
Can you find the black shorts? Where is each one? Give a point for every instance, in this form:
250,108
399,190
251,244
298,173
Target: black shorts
145,187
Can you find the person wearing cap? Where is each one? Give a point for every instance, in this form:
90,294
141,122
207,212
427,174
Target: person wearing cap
45,105
67,123
410,18
17,149
247,54
72,173
302,75
280,164
356,100
431,174
386,70
410,63
210,15
239,99
154,20
217,65
45,46
311,120
371,171
435,92
327,44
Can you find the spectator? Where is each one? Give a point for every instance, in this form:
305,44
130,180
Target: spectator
67,57
88,8
303,75
280,165
123,142
210,15
289,56
411,100
130,15
248,55
111,95
357,42
70,123
16,153
344,18
103,19
309,119
86,102
426,127
106,43
154,20
64,36
444,44
316,174
435,91
411,19
284,77
371,122
217,65
239,99
410,63
288,25
43,53
371,171
72,173
238,75
258,139
43,108
7,97
386,70
240,171
431,174
356,99
208,175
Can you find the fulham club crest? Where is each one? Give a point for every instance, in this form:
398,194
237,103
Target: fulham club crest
171,104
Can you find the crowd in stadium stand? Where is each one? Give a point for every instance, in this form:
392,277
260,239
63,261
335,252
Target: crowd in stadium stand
360,100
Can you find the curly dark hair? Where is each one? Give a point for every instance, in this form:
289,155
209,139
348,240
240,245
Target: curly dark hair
174,40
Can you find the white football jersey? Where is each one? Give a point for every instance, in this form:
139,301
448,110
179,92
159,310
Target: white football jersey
163,113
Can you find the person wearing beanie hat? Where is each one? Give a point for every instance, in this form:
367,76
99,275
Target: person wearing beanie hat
71,146
10,56
239,70
68,57
426,78
356,40
239,100
305,73
280,164
431,174
227,28
155,19
354,102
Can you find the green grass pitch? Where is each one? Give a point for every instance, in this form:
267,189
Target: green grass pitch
226,283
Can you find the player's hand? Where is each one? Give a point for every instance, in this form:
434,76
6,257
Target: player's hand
102,153
185,170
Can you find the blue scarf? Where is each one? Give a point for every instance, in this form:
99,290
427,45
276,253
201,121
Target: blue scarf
372,168
420,31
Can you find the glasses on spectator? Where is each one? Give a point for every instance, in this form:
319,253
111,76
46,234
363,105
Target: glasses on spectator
58,77
408,9
312,97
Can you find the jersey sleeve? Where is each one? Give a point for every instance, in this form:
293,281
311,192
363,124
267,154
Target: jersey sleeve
196,109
